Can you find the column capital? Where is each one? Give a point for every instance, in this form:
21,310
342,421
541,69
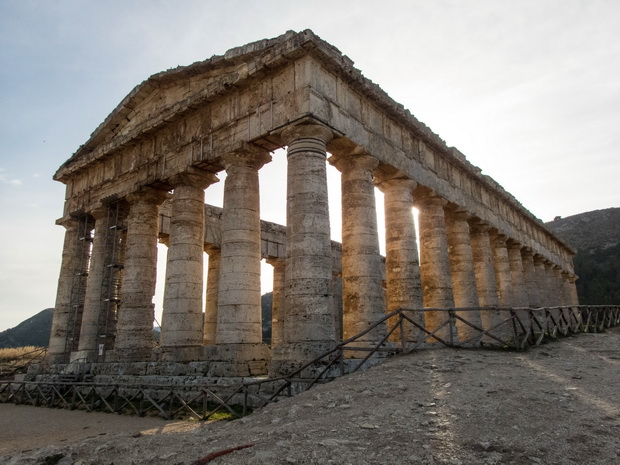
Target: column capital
478,226
513,244
539,259
428,200
99,212
148,195
498,237
193,177
393,180
457,212
276,262
360,161
212,249
306,131
527,252
248,155
69,222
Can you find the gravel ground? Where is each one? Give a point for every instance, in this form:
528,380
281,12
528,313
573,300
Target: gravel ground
556,404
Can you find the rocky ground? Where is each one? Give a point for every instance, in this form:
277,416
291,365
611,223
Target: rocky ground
556,404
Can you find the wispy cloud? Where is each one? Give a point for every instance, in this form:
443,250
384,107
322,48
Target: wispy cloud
6,178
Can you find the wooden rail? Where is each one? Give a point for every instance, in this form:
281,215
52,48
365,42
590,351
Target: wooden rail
513,328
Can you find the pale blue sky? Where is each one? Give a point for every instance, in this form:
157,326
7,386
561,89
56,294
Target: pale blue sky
529,90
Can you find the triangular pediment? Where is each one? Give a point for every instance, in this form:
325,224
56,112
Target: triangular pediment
169,93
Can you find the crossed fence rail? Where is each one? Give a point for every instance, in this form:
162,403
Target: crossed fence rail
401,331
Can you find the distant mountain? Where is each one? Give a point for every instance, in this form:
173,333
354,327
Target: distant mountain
266,302
596,236
34,331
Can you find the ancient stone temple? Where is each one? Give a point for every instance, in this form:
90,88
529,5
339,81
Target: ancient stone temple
141,178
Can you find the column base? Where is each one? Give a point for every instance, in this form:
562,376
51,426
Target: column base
83,356
130,355
290,357
238,359
179,353
54,359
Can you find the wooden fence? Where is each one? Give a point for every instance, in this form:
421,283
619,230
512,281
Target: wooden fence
401,332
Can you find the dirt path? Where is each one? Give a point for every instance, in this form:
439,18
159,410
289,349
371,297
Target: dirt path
23,427
556,404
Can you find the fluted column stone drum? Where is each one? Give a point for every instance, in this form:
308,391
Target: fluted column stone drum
309,321
209,330
402,263
463,273
434,262
95,293
134,337
362,280
67,318
485,272
181,332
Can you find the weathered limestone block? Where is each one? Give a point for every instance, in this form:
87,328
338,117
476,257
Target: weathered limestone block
213,289
541,280
434,261
67,316
529,274
503,281
485,272
402,264
517,274
462,271
239,299
134,340
501,264
182,313
309,320
95,293
362,281
572,289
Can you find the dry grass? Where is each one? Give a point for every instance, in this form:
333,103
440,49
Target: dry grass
28,352
14,360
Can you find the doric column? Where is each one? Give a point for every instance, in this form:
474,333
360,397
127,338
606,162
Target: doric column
181,332
95,293
529,274
213,288
485,273
67,316
572,289
541,280
239,301
134,338
462,270
550,286
566,295
402,264
362,289
501,264
277,303
434,261
558,285
309,323
337,302
517,275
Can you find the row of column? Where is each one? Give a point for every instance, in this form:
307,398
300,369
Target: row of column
464,262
